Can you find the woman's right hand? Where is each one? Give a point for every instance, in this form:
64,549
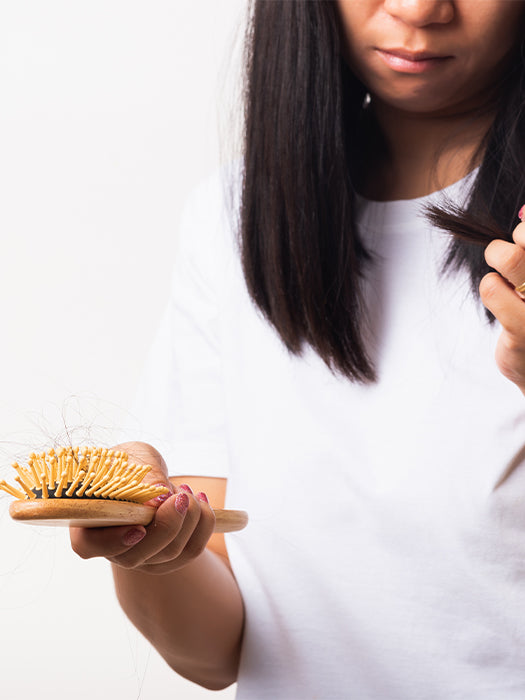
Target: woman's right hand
178,534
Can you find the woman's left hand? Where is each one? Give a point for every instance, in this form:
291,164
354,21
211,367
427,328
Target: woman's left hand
500,297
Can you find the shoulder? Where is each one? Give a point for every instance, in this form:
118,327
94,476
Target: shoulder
207,249
211,211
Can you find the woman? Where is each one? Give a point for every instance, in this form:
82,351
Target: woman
340,371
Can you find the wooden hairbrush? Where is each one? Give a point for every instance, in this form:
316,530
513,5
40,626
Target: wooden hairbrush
91,487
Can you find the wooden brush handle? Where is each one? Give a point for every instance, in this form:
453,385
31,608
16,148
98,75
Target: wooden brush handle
93,512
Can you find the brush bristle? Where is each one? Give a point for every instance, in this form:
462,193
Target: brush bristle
87,472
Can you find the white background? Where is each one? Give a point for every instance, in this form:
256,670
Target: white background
110,112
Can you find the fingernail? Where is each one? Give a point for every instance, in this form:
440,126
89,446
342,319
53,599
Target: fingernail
133,536
163,496
202,497
185,487
160,499
182,502
521,213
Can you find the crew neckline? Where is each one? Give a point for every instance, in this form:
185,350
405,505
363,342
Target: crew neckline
371,212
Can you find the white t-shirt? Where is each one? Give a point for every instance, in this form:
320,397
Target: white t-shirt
385,554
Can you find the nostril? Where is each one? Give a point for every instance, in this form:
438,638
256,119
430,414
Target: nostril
421,13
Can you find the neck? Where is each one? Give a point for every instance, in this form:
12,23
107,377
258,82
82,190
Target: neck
422,153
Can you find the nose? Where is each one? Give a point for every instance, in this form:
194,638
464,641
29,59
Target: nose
419,13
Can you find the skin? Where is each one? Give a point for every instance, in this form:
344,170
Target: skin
433,121
173,578
498,295
430,121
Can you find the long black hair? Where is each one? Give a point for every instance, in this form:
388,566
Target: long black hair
302,257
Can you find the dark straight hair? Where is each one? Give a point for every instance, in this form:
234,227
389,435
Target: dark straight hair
302,257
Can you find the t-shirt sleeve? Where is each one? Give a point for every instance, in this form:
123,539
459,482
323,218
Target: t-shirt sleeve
179,407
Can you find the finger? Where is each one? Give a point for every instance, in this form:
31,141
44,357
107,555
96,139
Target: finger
105,541
518,235
508,259
500,298
110,542
197,529
194,547
172,521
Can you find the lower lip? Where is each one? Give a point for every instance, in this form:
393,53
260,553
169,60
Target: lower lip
406,65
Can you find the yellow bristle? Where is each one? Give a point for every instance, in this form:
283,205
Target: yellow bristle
132,492
132,481
31,463
53,467
72,464
61,484
61,460
85,483
120,460
116,468
133,473
40,467
25,475
142,491
84,460
149,493
41,459
69,468
123,487
82,469
75,462
95,472
108,477
96,485
127,470
102,475
108,486
11,490
139,472
83,472
75,483
22,483
37,465
91,459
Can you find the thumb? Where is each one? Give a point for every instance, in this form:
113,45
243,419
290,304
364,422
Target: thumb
141,453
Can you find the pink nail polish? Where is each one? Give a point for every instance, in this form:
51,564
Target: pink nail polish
182,503
521,213
202,497
158,500
185,487
133,536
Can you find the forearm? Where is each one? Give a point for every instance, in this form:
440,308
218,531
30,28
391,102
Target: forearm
193,617
178,592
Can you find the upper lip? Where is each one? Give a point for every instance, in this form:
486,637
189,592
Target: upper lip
414,55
